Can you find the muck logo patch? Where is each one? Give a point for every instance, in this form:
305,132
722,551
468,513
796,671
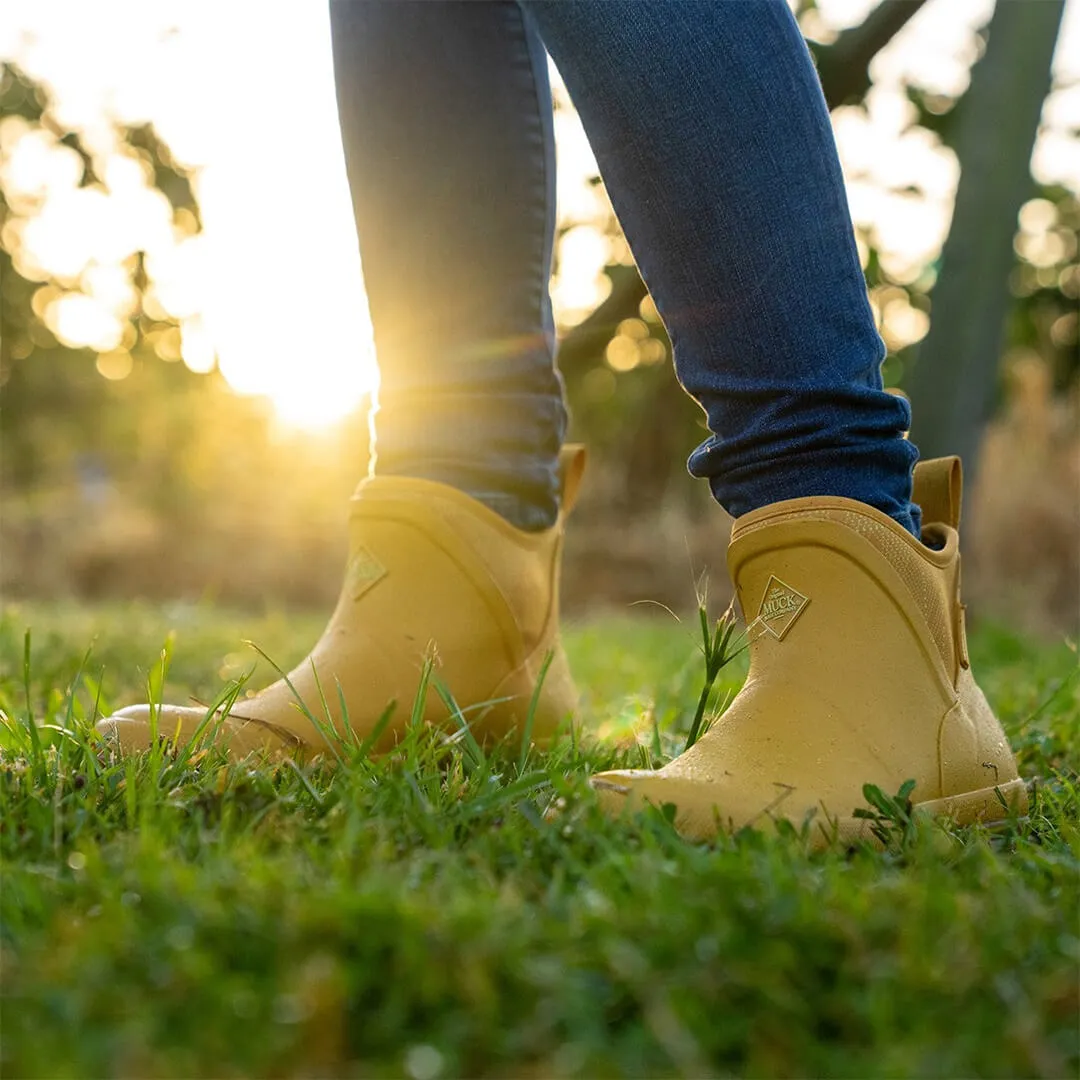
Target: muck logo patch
780,607
364,572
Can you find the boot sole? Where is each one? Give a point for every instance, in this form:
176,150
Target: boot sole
985,806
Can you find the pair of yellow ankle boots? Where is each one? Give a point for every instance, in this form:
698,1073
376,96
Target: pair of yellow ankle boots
859,670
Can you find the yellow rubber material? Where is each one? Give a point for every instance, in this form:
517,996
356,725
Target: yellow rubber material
431,573
859,673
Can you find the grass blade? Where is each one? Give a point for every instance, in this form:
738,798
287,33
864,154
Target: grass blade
474,752
530,716
363,751
37,753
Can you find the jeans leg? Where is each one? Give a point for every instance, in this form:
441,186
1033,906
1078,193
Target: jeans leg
446,120
712,134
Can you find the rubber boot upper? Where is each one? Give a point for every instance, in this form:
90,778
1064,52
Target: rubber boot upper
431,573
859,673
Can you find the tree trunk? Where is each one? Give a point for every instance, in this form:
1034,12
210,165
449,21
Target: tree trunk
954,376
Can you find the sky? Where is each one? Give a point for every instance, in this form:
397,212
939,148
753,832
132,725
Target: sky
271,290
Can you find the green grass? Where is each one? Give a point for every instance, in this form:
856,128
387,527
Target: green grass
418,916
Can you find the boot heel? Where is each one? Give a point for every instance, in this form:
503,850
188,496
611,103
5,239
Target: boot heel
512,700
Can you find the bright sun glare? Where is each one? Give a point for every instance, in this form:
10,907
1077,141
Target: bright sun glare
271,290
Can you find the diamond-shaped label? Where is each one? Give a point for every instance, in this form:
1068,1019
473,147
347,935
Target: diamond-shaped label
780,607
364,572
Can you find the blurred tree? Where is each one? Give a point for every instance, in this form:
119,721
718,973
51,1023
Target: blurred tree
956,368
42,377
844,66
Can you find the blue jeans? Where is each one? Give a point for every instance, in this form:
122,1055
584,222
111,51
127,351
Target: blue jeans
714,142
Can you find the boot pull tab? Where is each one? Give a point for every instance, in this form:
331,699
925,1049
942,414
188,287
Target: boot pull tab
938,487
571,469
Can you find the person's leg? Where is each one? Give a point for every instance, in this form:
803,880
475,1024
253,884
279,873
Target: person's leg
447,125
712,135
455,541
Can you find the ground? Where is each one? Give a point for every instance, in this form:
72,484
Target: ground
419,915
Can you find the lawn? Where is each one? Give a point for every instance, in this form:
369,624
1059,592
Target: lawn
420,916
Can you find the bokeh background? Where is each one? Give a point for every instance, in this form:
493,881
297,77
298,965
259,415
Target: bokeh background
186,357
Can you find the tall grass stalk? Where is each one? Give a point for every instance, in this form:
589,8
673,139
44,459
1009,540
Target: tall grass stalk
716,648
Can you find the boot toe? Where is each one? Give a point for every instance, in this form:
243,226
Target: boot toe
708,801
131,730
698,807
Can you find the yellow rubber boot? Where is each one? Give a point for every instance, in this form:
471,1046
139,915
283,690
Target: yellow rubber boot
431,571
859,673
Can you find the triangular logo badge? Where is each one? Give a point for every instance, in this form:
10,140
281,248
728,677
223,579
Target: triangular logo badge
364,572
780,607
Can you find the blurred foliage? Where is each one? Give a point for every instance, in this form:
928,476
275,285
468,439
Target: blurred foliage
189,459
58,413
1044,283
25,334
137,483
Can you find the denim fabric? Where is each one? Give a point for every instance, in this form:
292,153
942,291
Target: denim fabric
714,142
449,144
